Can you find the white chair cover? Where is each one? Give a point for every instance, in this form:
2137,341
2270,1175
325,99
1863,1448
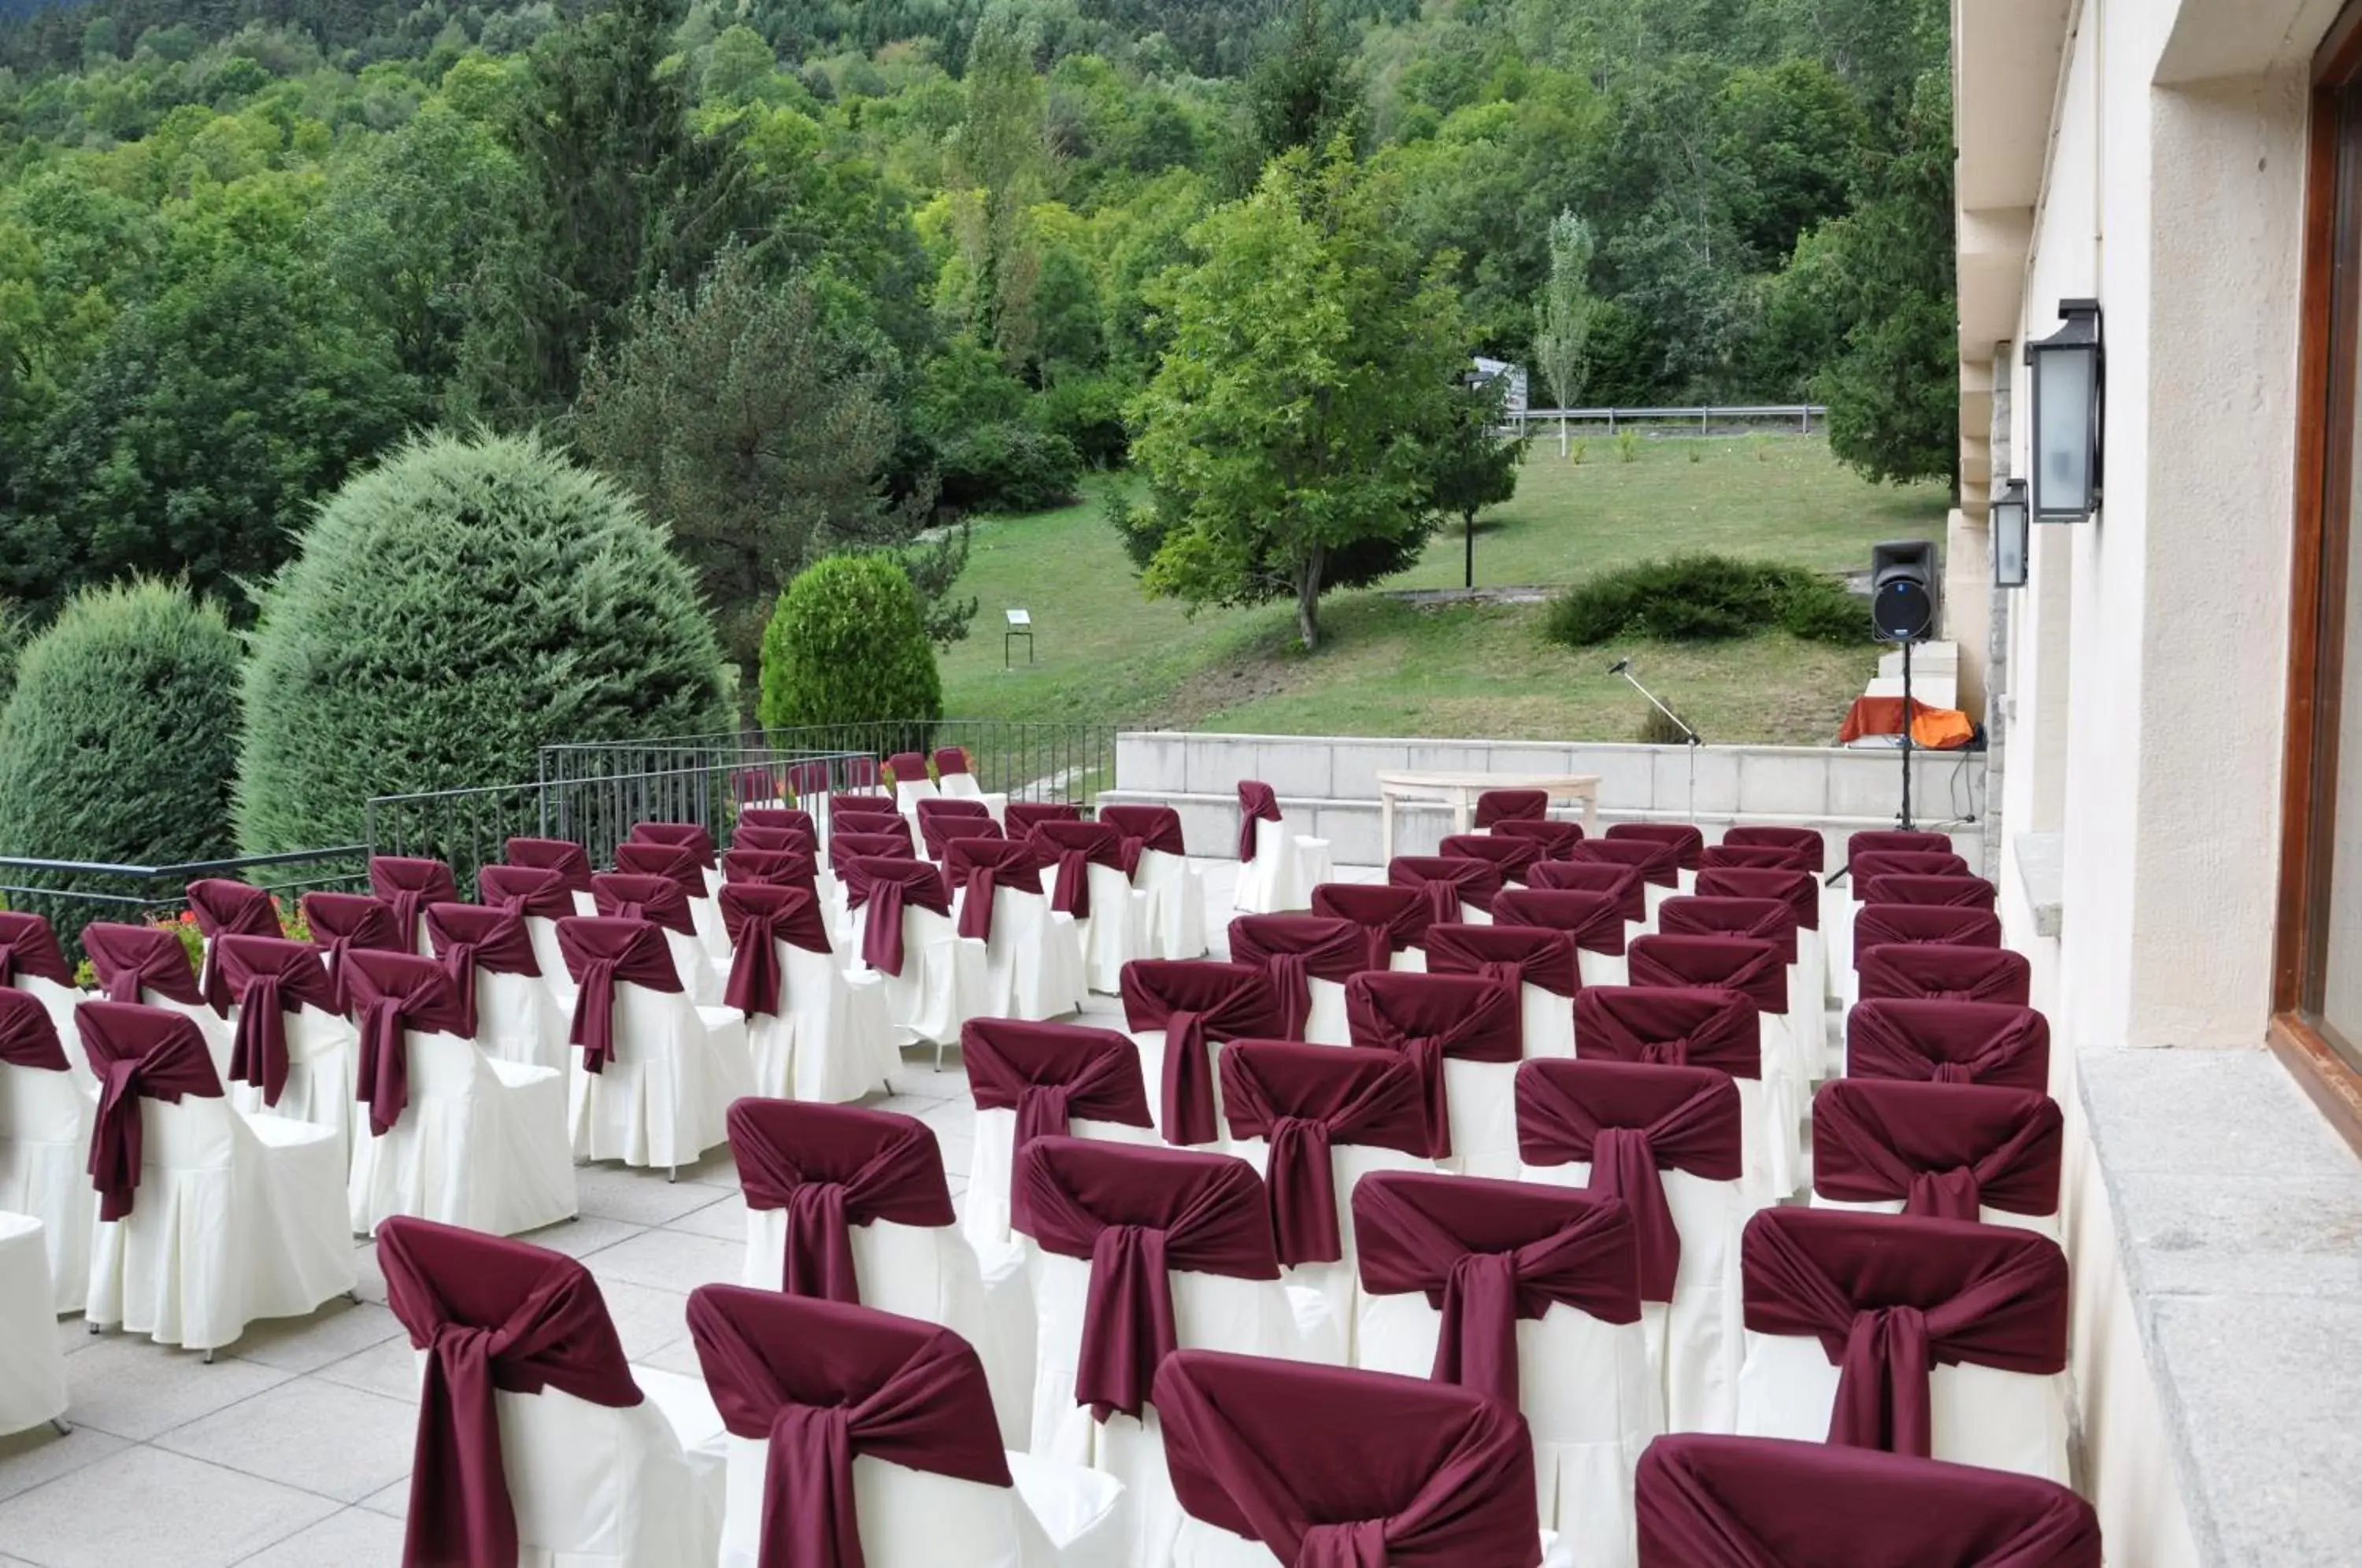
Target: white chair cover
322,1049
1981,1414
236,1219
32,1364
1033,960
1175,897
834,1042
983,1208
1117,931
661,1098
60,1002
964,787
45,1121
518,1019
1329,1323
482,1143
1286,868
945,978
595,1487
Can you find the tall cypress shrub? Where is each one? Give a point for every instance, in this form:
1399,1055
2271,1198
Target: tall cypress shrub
847,645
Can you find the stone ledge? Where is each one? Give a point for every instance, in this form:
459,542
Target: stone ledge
2042,873
2238,1214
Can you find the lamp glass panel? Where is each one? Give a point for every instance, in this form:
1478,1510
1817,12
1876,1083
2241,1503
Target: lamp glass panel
2062,441
2009,543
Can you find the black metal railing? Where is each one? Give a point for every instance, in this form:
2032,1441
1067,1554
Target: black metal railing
72,893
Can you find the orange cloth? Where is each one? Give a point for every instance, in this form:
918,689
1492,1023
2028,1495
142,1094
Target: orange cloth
1936,729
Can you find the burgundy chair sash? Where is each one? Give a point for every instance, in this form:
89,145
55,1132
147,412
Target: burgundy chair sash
1808,840
830,1167
410,883
635,895
1712,914
1510,856
1196,1001
844,848
1303,1100
601,952
1333,1468
695,838
1296,950
1622,883
223,907
1144,828
269,978
908,767
1946,892
1881,925
1869,865
1554,839
389,994
953,806
1022,817
137,1052
559,855
468,939
1740,1502
343,924
1074,848
133,959
886,823
775,817
1429,1019
1908,841
1890,1296
493,1316
1938,972
1729,856
1799,890
1137,1213
27,946
1258,802
981,867
1733,963
1448,881
1050,1073
1686,841
1949,1043
824,1383
863,801
1512,954
779,867
1656,862
1629,1124
887,885
675,863
758,916
28,1035
938,831
1946,1150
776,840
1495,807
1594,921
950,759
533,891
1694,1026
1391,918
1488,1252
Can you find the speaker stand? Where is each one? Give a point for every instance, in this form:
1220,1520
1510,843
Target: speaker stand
1905,822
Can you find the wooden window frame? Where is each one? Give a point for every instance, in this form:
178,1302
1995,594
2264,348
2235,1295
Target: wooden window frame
2322,574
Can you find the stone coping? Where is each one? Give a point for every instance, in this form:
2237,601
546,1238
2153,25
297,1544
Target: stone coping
2042,873
2238,1214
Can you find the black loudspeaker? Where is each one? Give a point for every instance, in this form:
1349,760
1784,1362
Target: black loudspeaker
1904,587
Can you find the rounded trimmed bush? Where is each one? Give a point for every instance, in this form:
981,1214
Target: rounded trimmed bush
121,736
449,612
847,646
1704,598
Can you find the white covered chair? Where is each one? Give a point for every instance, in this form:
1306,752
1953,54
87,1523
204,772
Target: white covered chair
207,1219
343,924
940,820
603,1465
1668,1142
694,873
1541,1284
1034,954
1540,962
906,1439
147,965
1459,889
911,783
1685,841
655,1076
635,895
1173,889
1465,1034
32,1363
1695,1027
45,1121
33,962
293,1052
1101,1334
1623,886
541,899
448,1132
1278,868
1592,922
1393,919
1808,975
813,1031
1029,1080
955,780
1877,925
1846,1313
935,979
1658,864
222,906
1756,969
1798,1033
1953,1151
1086,879
1308,957
851,1205
409,883
1178,1013
1868,854
566,857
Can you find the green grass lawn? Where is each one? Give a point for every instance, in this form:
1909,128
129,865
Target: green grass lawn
1106,654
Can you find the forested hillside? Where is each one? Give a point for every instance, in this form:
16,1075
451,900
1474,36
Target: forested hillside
807,274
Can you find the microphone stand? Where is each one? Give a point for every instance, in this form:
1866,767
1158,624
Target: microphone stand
1692,740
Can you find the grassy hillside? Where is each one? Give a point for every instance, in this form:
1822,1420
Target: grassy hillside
1391,667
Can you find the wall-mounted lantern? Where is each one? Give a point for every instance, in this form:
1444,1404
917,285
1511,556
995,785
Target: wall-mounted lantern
2069,393
2010,535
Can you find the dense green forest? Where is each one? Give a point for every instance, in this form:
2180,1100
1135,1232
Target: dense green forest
818,274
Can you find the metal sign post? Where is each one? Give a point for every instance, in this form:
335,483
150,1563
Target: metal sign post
1021,624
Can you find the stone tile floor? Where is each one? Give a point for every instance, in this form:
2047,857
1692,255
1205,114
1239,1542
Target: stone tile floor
292,1449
